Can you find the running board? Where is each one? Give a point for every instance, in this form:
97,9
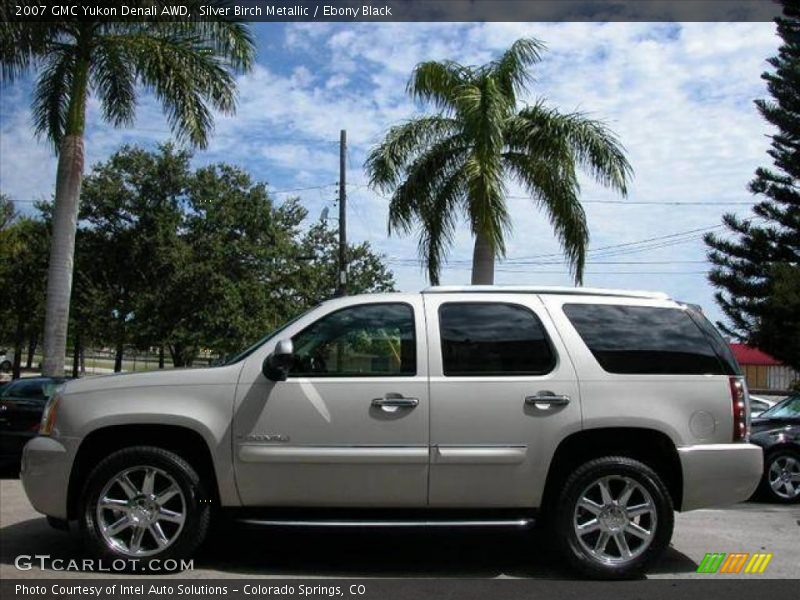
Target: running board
386,523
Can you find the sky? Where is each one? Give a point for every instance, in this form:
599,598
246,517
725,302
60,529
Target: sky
679,96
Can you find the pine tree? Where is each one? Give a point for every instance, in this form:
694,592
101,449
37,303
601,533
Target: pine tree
757,269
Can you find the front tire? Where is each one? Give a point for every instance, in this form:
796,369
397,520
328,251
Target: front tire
614,517
143,503
781,480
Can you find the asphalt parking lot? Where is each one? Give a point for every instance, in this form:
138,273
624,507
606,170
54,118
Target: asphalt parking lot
749,527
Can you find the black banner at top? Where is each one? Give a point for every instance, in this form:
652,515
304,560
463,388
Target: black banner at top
393,10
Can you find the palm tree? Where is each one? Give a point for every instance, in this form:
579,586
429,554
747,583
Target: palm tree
189,66
457,161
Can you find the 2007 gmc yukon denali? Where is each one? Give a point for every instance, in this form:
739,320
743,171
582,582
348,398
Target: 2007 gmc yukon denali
599,412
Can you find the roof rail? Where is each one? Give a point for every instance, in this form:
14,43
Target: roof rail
529,289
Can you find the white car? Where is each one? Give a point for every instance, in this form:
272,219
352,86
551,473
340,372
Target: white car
6,360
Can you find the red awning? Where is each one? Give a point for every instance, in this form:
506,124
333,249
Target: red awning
747,355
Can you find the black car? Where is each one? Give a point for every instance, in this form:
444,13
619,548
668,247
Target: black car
21,405
777,430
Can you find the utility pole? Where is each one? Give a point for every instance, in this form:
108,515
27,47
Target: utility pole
341,288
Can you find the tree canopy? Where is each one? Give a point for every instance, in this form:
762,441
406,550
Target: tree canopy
756,267
192,259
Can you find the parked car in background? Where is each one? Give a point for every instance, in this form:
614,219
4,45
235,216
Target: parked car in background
758,404
777,430
21,404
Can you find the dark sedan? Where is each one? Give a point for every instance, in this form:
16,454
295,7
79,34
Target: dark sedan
777,430
21,405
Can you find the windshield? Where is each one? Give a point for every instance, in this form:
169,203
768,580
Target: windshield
788,408
244,354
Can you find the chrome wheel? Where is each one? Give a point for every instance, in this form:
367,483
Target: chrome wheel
141,511
615,519
784,476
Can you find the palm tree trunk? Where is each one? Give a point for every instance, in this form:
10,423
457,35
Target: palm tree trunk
483,261
62,249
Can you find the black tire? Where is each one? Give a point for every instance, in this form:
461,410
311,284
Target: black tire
5,367
194,502
619,470
765,489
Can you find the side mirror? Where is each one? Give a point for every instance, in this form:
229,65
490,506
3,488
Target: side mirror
276,366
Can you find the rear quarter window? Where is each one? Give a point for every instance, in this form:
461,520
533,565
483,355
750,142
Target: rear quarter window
645,340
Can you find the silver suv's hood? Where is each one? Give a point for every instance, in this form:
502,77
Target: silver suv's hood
167,377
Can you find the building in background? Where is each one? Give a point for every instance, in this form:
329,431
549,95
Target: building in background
764,373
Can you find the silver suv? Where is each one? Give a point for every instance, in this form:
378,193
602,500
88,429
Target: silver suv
596,412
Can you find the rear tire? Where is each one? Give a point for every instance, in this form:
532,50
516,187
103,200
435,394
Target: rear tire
143,503
613,518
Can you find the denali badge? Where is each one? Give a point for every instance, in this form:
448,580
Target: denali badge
265,437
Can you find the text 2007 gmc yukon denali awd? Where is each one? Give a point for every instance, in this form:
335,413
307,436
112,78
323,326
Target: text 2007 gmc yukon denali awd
598,411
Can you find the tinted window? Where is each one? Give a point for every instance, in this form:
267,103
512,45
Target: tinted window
786,409
365,340
30,390
493,339
721,347
644,340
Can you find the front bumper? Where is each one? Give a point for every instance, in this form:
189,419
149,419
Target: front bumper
45,471
719,474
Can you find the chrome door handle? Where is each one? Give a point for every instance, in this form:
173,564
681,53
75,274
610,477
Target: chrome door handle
546,400
392,402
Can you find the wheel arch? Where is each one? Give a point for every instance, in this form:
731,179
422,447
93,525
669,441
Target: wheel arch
184,441
649,446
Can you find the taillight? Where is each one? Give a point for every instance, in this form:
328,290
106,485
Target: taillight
49,415
739,403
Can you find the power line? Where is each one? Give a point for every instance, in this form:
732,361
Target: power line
652,243
654,202
303,189
623,202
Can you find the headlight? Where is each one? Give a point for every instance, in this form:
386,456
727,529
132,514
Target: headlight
49,414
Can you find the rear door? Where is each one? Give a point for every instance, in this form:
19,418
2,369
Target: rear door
647,363
503,393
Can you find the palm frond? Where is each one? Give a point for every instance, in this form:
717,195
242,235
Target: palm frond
230,39
22,44
594,146
186,76
512,71
114,81
422,180
486,205
386,162
51,94
437,218
438,82
555,190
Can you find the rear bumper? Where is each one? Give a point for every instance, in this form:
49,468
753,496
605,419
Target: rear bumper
45,470
719,474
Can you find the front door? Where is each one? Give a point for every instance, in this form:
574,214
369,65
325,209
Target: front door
503,394
349,427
